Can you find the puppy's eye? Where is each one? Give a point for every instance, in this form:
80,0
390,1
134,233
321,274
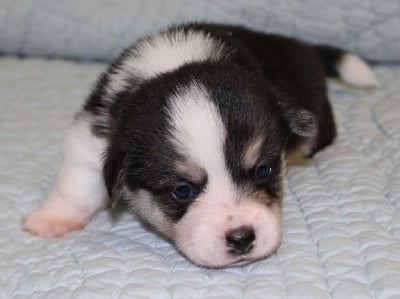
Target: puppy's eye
263,172
183,192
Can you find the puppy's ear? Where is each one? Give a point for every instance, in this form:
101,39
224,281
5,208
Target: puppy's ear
300,121
114,173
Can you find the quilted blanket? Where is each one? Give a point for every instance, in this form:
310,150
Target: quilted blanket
341,210
93,29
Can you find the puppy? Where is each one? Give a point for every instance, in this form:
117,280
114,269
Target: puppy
193,128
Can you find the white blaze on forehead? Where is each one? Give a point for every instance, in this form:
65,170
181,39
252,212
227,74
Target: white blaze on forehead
165,52
199,134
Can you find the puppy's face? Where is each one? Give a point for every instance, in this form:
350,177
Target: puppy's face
201,161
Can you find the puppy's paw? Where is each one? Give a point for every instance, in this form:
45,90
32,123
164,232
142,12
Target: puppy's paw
50,223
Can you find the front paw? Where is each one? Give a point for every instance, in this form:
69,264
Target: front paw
49,223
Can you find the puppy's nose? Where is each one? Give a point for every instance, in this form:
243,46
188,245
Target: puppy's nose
239,241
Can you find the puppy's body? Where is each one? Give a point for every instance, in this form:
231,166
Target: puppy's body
193,127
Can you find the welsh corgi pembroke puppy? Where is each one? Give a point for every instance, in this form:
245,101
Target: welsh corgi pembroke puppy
193,128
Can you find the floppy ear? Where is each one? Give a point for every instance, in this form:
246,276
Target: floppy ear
114,173
300,121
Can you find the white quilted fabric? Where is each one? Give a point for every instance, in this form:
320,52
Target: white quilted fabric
341,213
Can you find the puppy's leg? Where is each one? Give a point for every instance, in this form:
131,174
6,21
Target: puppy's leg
79,191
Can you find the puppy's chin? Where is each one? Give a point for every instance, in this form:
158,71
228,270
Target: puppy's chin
201,234
225,260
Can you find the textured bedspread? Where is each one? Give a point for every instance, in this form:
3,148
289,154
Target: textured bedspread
341,212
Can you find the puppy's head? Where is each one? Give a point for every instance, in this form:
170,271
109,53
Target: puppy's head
198,155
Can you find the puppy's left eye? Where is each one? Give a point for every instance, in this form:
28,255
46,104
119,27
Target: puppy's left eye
263,172
183,192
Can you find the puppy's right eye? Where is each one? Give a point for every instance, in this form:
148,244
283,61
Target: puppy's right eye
183,192
262,173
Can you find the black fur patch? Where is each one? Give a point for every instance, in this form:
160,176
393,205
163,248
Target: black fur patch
330,58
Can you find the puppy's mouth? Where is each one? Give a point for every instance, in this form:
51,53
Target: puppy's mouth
244,260
240,262
247,260
236,263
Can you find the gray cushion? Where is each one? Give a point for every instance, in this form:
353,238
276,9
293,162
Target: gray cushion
91,29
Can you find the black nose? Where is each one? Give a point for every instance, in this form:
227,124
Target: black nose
239,241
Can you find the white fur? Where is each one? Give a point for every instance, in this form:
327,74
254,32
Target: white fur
78,191
355,71
165,52
199,133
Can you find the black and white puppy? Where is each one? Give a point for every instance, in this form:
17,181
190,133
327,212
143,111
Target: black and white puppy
193,127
